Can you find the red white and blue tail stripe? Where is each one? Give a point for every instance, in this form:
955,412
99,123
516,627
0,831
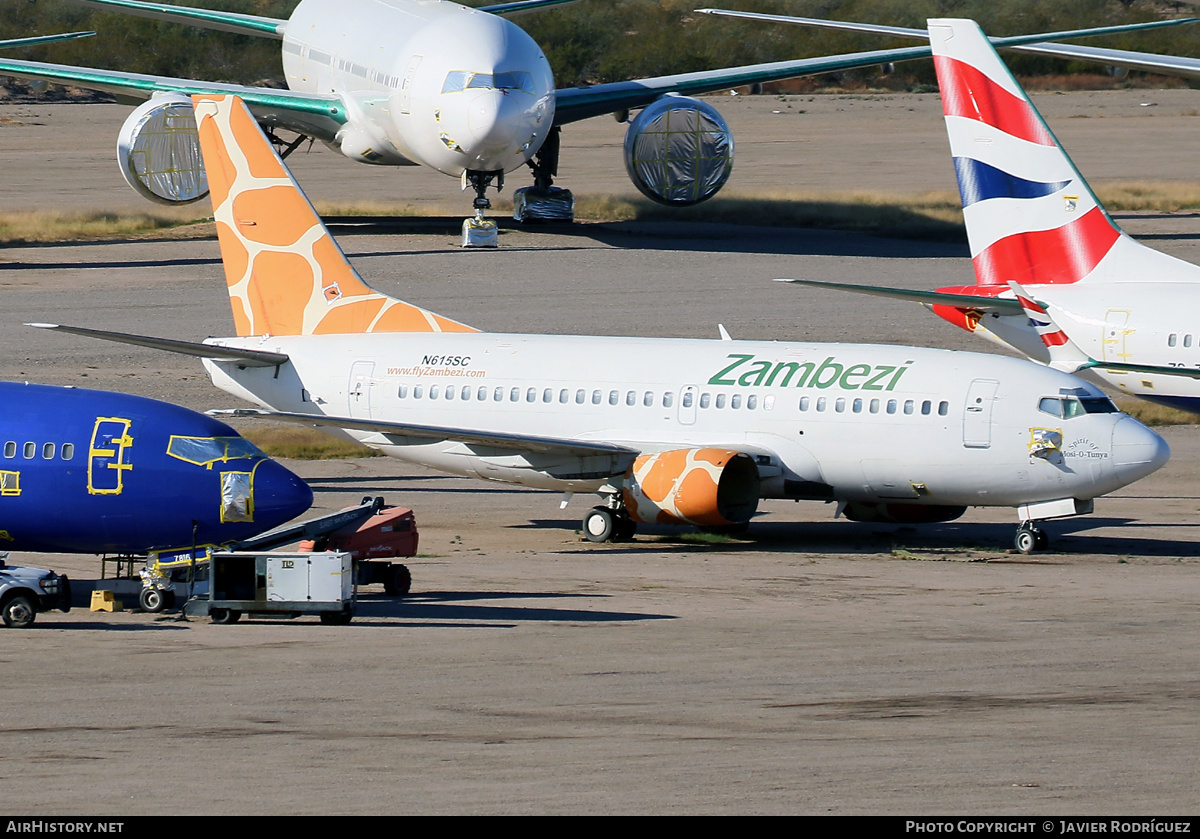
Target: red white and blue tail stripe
1030,216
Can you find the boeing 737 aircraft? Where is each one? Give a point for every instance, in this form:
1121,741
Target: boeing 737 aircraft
437,84
1032,218
665,430
87,471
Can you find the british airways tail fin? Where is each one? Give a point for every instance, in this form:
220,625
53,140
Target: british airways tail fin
286,274
1030,215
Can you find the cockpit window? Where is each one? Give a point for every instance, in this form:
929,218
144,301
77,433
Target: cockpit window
1067,407
205,451
457,80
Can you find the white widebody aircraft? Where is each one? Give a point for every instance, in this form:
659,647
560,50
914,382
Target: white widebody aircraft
666,430
1032,219
433,83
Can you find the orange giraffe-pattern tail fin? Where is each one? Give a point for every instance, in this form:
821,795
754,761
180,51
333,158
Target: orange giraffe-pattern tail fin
286,274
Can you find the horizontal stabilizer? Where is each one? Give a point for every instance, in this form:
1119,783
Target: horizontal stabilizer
263,27
494,439
938,298
244,358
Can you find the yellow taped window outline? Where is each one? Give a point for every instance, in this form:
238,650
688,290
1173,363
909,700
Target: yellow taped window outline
10,482
205,451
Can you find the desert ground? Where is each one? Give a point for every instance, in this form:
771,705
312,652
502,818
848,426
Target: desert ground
822,667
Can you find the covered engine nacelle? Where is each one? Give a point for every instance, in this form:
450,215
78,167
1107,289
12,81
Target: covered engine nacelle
159,152
679,151
706,487
895,513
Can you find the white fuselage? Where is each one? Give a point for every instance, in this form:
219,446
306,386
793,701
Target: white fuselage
426,82
870,422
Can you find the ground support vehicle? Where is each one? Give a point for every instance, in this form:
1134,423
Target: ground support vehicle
278,585
26,591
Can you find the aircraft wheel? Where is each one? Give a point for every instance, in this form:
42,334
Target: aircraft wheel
625,528
1042,540
599,524
1026,540
152,600
19,612
224,615
399,580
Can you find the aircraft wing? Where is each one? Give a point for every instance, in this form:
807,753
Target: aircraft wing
263,27
1151,62
576,103
1006,305
12,43
495,439
316,115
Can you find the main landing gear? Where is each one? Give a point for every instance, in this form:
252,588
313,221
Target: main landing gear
608,524
1030,538
543,201
479,232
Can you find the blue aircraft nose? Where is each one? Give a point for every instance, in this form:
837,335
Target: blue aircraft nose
279,495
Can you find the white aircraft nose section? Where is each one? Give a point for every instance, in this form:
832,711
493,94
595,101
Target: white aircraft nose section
492,120
1137,451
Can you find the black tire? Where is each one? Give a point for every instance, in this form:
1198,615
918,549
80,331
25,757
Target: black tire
225,616
398,581
152,600
599,524
169,598
1043,540
1026,540
19,612
625,529
336,618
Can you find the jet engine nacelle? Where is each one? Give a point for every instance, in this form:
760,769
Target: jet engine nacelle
706,487
895,513
159,152
679,151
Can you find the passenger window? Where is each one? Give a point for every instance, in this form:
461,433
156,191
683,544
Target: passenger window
821,403
402,392
564,396
48,451
514,395
595,397
580,396
450,393
909,405
30,450
720,400
736,401
531,394
648,399
803,403
858,406
891,406
943,408
840,405
687,399
465,393
548,395
614,397
926,407
631,398
1187,340
498,395
481,394
433,391
68,451
768,403
418,390
874,406
751,402
10,449
668,399
1172,339
705,399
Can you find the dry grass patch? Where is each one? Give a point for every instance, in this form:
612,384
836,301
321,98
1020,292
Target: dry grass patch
297,442
1152,414
26,227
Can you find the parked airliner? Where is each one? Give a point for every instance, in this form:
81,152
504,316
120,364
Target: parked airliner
437,84
87,471
1032,218
665,430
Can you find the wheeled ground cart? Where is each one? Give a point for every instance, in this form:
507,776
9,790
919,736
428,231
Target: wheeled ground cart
278,585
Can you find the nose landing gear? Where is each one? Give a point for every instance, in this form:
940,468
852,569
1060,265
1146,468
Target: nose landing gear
479,232
1030,538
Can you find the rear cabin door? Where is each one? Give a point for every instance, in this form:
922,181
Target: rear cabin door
358,394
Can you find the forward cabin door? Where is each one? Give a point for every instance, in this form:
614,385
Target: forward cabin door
977,413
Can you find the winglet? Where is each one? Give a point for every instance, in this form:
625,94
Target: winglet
1065,355
286,274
